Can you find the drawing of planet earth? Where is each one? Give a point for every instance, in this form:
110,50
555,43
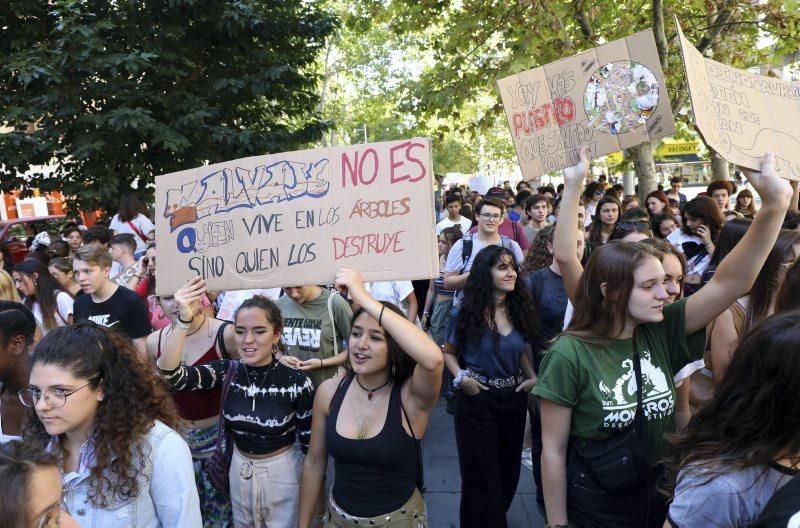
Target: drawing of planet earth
620,96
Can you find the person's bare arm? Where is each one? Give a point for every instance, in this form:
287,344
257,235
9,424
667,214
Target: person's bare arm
423,387
738,270
556,422
316,460
413,307
454,280
565,237
723,342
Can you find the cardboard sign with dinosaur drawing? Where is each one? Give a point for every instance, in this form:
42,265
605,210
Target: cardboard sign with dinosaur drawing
296,218
742,115
611,98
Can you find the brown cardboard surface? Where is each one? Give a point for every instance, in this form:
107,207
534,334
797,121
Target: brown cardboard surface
551,109
742,115
296,218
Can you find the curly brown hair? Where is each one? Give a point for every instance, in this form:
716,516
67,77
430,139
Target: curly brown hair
134,397
538,257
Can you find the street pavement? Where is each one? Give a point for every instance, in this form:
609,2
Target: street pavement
443,481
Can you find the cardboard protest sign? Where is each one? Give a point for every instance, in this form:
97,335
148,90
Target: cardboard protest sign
742,115
611,97
295,218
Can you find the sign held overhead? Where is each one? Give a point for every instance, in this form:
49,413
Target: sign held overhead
611,98
295,218
742,115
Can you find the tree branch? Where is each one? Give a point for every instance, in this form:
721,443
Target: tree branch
583,21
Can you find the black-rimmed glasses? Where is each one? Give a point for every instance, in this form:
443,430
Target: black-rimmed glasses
56,398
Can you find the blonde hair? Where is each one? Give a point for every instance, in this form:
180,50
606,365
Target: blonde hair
8,292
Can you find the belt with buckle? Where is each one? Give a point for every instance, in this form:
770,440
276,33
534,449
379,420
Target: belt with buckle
496,383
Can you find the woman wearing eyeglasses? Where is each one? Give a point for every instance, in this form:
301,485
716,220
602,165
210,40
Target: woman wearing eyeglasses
31,487
106,418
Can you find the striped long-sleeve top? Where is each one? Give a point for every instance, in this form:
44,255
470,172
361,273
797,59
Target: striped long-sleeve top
266,407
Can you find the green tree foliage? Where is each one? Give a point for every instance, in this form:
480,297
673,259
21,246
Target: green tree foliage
475,42
114,92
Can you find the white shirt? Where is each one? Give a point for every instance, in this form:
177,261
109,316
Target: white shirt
394,292
64,303
142,223
466,224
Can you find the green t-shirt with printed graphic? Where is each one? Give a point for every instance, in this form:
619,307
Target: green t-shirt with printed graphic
598,382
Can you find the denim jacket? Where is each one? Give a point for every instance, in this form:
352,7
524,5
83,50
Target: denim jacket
168,498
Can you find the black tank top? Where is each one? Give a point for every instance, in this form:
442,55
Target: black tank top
375,475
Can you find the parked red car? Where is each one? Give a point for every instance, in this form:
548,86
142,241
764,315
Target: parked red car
15,233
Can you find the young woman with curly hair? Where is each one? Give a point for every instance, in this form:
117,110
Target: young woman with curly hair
44,296
744,444
607,384
540,254
488,353
108,419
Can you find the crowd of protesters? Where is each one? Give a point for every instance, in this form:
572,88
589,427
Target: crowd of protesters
644,353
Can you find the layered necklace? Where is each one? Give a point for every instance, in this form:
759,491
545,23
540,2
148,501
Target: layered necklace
362,420
252,390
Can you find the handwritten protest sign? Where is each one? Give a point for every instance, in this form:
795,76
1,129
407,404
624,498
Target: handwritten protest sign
611,97
295,218
742,115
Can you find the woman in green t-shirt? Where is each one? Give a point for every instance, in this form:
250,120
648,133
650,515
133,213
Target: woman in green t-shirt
587,381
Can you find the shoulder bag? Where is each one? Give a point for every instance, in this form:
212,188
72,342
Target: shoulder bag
618,463
217,466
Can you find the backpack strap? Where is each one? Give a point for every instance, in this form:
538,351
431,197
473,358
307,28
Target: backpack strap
466,251
505,241
220,341
514,231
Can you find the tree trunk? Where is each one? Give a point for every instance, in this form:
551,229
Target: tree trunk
642,156
719,166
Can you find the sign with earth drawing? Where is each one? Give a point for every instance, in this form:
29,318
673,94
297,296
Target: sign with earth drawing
611,97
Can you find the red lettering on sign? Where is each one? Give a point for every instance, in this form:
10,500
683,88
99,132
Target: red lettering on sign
408,172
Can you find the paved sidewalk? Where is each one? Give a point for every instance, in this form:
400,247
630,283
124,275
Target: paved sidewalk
443,481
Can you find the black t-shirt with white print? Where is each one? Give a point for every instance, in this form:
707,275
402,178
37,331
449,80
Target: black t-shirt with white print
124,312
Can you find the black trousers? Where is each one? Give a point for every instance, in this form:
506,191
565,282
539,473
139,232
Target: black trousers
490,428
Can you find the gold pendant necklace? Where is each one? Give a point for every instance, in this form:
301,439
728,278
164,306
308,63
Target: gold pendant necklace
362,430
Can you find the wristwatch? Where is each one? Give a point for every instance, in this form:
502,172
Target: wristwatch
459,378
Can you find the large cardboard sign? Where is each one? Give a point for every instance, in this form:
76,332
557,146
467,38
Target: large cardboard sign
742,115
611,97
295,218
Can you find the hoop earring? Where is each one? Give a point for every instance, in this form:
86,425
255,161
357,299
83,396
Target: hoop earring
274,348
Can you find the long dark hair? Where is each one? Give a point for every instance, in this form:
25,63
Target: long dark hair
596,230
477,308
762,294
18,462
789,295
657,221
538,256
130,207
753,418
402,365
47,289
706,210
134,397
597,317
728,239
